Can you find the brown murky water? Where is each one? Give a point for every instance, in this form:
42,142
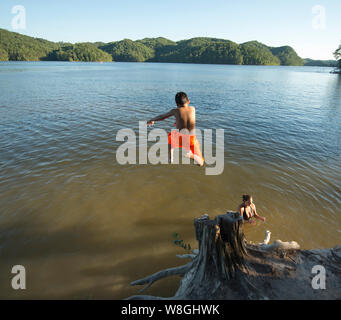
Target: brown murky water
84,227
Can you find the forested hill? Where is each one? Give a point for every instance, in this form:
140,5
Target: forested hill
320,63
15,46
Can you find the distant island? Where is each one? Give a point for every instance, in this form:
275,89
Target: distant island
18,47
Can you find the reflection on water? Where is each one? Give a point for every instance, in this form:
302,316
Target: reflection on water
85,227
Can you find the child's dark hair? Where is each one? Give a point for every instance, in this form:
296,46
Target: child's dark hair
246,197
181,98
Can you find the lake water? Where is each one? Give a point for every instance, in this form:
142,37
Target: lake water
85,227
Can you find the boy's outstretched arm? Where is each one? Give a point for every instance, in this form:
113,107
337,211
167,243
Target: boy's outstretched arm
161,117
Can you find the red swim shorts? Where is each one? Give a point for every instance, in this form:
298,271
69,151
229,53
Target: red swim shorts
177,139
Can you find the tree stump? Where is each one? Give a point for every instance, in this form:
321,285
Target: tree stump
221,246
221,256
228,267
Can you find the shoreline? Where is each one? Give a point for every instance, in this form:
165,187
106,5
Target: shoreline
159,62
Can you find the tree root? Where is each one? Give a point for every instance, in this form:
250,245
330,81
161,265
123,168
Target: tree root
161,274
186,256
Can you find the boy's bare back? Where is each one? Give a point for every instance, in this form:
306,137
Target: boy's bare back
185,118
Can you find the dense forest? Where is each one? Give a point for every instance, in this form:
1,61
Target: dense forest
86,52
320,63
128,50
18,47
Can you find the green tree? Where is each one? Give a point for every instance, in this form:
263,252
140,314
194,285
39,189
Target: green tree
337,55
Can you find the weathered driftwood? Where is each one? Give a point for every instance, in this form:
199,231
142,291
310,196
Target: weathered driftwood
226,266
162,274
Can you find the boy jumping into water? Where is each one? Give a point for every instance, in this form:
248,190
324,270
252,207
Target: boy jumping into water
185,120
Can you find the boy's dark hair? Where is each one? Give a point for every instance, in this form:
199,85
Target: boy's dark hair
181,98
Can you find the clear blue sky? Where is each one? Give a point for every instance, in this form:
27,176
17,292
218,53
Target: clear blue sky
273,22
